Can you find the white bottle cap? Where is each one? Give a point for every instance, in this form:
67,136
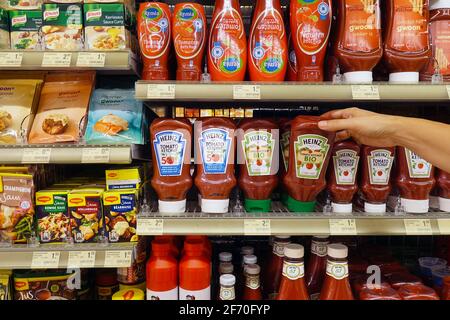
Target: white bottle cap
404,77
252,269
215,205
439,4
374,207
444,204
250,259
434,202
337,251
294,251
227,280
172,206
282,237
358,77
415,206
247,250
225,256
342,207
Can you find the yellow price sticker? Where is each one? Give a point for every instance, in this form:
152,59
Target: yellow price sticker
444,226
343,227
161,91
11,59
45,259
81,259
91,59
36,155
247,92
418,226
259,227
56,59
118,259
150,227
365,92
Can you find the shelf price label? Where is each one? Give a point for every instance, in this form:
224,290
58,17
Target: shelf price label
444,226
343,227
150,227
448,90
95,155
11,59
36,155
118,259
257,227
161,91
418,226
247,92
56,59
45,259
365,92
91,59
81,259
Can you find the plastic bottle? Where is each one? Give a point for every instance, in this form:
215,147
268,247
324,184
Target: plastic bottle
252,287
443,183
317,264
227,282
272,274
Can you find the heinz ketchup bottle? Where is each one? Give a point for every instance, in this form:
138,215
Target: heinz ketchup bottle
292,286
316,268
272,274
252,287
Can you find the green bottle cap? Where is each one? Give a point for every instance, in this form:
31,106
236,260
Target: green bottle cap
252,205
300,206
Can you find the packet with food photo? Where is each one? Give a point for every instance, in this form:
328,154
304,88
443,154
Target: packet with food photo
25,29
120,210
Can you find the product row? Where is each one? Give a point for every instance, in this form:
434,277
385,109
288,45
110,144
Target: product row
396,40
37,4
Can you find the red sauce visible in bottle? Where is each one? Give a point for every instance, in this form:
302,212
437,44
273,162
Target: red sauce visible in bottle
272,275
293,286
252,287
379,293
443,183
316,268
417,292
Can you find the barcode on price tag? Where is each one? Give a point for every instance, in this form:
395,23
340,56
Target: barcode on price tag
81,259
161,91
95,155
150,227
91,59
11,59
365,92
444,226
118,259
247,92
257,227
343,227
56,59
45,259
36,155
418,226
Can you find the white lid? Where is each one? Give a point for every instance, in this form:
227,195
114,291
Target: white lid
337,250
374,207
415,206
247,250
225,256
342,207
215,205
444,204
404,77
252,269
434,202
439,4
172,206
294,251
227,280
358,77
281,237
250,259
226,267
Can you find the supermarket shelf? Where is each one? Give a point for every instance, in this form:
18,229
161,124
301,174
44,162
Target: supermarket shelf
108,255
283,222
289,92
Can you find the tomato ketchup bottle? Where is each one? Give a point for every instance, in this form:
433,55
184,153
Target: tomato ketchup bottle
252,287
415,180
227,291
292,285
342,174
257,143
162,272
189,39
227,45
316,268
171,154
154,33
267,48
215,145
310,29
443,182
272,274
375,183
309,153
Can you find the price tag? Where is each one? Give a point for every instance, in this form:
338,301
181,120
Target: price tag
444,226
56,59
365,92
45,259
150,227
418,226
36,155
257,227
343,227
448,90
118,259
11,59
247,92
161,91
91,59
81,259
95,155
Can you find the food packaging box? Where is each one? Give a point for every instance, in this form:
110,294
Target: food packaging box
20,4
126,178
120,209
25,29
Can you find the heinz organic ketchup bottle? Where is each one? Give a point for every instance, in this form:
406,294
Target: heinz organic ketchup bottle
154,33
443,183
268,48
189,39
310,29
171,154
227,45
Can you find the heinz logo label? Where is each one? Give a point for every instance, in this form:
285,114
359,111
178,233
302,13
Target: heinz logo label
20,20
94,15
44,199
111,198
76,200
51,14
112,175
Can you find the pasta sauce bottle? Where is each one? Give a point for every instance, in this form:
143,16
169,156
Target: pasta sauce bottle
171,154
189,39
252,288
415,179
268,48
227,45
292,286
272,275
443,182
358,46
310,28
316,268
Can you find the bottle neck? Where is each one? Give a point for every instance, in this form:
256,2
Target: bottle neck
337,268
319,247
278,247
227,292
293,269
252,281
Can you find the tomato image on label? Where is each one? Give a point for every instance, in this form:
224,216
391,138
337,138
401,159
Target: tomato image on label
417,166
310,152
345,166
258,149
380,164
215,150
169,149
